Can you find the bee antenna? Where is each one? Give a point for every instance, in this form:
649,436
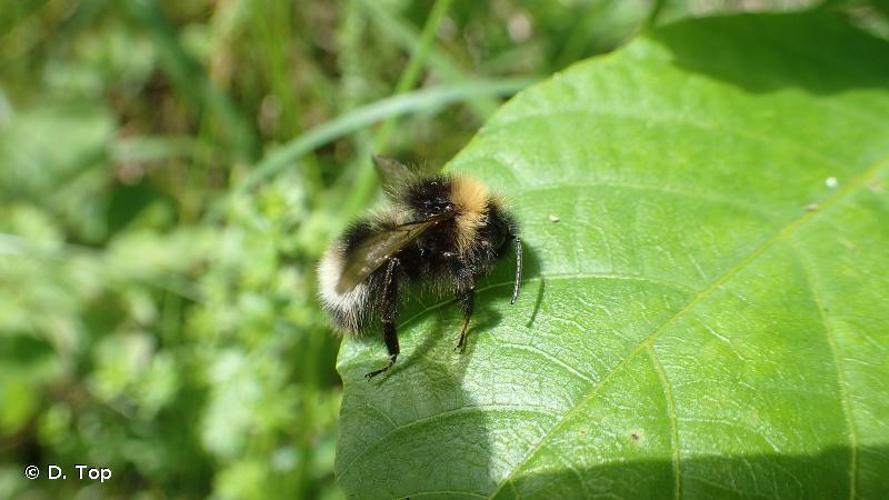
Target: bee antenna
518,269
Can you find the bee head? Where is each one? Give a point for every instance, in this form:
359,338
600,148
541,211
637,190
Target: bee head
431,196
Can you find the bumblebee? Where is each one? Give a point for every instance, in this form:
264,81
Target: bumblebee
441,231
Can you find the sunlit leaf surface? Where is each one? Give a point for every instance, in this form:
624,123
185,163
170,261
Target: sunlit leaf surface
709,315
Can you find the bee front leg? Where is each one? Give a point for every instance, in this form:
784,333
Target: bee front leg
389,314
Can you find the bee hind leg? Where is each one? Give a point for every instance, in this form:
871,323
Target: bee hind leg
391,338
389,314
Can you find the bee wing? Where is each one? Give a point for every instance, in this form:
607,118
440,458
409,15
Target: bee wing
394,175
379,248
390,168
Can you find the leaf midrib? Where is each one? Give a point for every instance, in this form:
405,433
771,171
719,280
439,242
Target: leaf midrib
785,231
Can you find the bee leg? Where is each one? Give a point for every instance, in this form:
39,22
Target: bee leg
518,269
466,299
389,313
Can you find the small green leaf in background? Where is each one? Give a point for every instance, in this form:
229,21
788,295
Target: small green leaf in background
707,319
58,142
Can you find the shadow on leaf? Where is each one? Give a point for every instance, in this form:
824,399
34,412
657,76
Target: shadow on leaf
752,51
819,475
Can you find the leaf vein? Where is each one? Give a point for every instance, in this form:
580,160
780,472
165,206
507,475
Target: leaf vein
665,189
535,350
386,417
674,422
557,277
666,119
830,336
441,416
444,492
565,418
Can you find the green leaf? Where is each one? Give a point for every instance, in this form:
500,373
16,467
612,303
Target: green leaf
708,317
43,149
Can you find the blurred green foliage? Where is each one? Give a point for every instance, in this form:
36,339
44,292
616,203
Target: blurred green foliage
157,303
